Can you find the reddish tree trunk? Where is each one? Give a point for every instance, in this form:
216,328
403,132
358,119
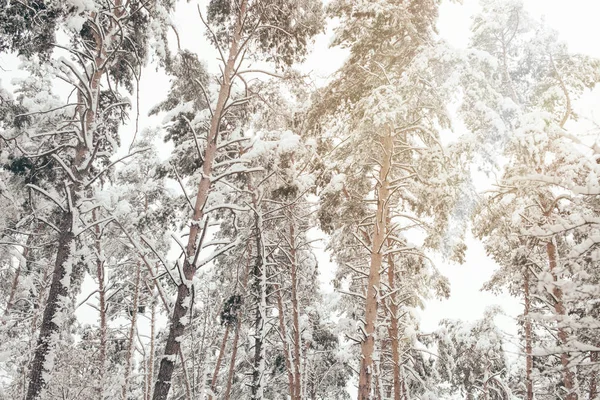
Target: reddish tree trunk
377,248
213,382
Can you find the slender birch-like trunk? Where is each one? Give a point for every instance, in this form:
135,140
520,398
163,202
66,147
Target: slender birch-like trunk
382,193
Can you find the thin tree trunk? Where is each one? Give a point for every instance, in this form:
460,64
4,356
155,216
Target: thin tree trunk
528,336
295,317
176,329
377,249
594,377
559,308
213,382
286,347
393,330
132,329
260,289
234,349
102,299
150,367
236,337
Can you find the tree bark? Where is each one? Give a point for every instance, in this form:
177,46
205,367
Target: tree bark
286,348
295,317
528,336
102,306
594,377
236,337
66,239
213,382
150,367
177,326
559,308
393,330
260,290
58,292
377,249
132,329
234,348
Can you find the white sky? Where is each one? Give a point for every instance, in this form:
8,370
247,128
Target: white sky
576,21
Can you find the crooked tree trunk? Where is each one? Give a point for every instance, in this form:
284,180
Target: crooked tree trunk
377,249
528,336
559,308
177,326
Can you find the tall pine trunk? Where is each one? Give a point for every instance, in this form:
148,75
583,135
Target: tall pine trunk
177,325
382,193
66,238
49,328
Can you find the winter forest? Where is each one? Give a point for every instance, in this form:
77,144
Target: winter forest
253,229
